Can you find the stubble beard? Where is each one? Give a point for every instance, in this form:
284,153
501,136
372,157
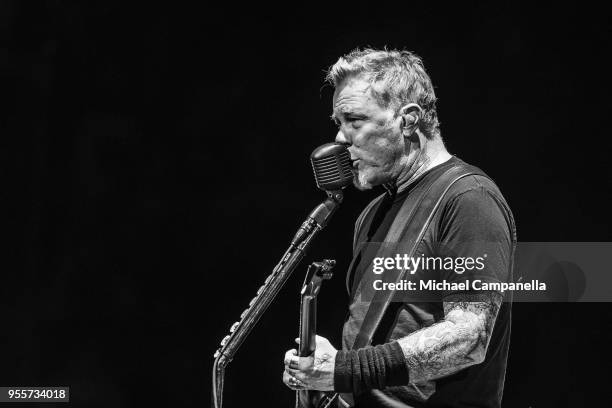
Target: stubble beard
361,182
369,177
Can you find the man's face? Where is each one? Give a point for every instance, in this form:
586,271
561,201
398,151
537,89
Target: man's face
374,135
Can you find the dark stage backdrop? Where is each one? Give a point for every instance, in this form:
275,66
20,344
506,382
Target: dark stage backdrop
155,163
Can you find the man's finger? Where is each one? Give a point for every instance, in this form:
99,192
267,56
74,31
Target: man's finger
294,362
297,374
297,384
292,382
304,363
289,355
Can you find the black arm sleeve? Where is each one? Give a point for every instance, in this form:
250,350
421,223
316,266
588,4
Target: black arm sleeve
374,367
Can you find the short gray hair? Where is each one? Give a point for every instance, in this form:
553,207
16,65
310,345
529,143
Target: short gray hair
400,78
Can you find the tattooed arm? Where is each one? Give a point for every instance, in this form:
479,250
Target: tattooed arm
457,342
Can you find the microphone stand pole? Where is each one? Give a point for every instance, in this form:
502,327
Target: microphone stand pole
316,221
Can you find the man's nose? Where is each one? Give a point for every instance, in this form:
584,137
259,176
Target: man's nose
341,138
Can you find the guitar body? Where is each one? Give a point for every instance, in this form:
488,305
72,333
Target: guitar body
308,399
319,399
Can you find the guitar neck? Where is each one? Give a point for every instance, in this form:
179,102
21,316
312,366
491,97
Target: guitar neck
308,325
317,272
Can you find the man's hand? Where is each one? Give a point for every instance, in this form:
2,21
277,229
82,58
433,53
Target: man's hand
312,372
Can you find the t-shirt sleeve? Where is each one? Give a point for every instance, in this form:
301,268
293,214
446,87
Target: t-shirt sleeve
475,239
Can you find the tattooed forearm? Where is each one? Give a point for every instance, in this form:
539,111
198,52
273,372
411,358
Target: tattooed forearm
459,341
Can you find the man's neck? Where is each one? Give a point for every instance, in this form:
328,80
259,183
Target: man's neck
431,155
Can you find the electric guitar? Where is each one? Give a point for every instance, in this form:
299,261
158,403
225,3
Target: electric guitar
317,272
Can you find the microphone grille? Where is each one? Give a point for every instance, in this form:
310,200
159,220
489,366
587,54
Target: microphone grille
332,168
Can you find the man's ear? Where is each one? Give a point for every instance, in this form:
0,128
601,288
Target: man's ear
411,115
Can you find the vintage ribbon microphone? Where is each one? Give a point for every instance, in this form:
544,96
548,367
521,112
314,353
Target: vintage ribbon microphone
331,163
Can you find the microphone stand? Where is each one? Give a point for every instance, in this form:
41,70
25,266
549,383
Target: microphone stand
316,221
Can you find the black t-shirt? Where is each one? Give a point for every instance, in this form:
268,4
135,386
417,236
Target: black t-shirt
473,219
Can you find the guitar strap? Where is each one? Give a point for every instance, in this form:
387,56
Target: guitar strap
405,233
361,225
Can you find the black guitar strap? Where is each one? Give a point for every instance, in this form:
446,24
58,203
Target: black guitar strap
361,225
406,232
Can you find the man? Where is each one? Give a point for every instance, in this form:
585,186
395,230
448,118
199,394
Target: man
449,351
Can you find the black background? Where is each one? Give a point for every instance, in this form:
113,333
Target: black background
155,160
